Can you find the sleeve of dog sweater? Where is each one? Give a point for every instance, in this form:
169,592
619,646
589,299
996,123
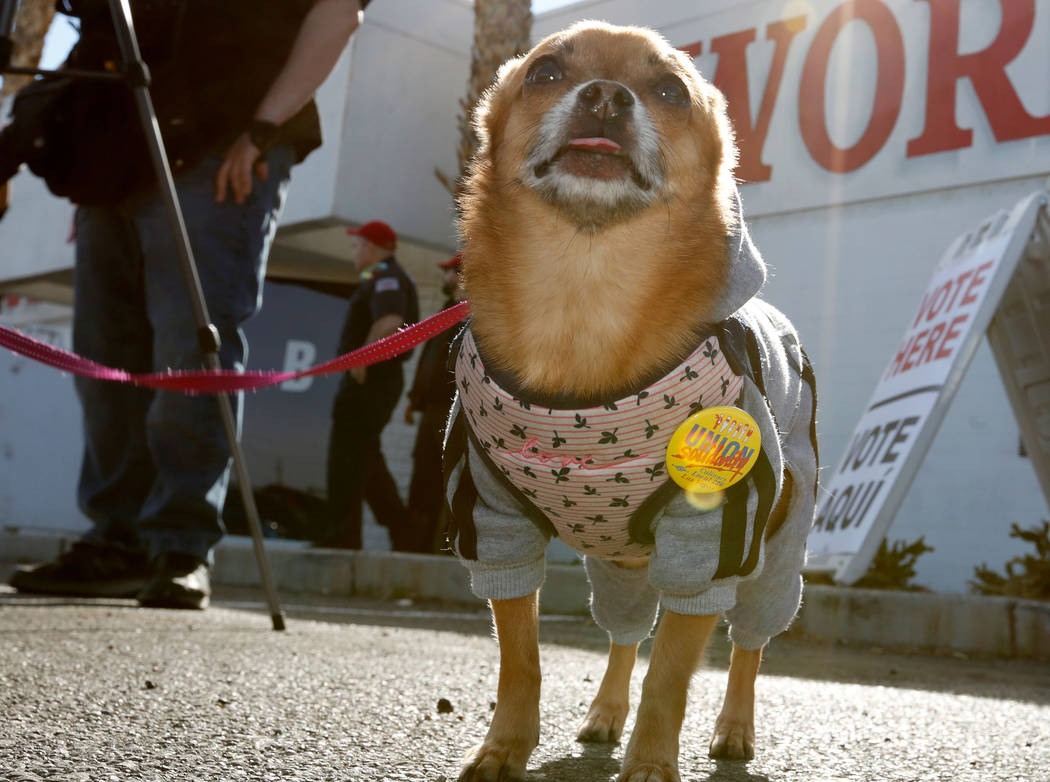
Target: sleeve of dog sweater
766,605
762,603
688,551
511,549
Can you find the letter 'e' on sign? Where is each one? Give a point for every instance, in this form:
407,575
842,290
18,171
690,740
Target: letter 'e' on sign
978,278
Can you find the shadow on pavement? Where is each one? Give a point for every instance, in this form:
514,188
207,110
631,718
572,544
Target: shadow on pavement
595,761
788,656
734,771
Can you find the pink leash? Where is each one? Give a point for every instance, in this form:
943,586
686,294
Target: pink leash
226,380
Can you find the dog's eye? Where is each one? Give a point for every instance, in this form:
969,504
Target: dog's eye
671,90
545,70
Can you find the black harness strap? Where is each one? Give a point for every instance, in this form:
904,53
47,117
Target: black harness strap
740,345
461,527
462,514
810,378
734,530
766,484
639,525
460,533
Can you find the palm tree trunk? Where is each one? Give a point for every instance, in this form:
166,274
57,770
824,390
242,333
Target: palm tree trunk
502,29
32,22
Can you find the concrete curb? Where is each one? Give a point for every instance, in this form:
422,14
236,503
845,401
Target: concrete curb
918,621
926,621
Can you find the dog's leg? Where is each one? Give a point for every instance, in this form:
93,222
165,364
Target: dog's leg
734,737
652,753
608,712
515,728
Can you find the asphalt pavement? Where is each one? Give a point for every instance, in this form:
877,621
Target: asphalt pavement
103,690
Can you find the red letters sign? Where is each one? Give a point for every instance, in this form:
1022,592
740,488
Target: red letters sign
946,66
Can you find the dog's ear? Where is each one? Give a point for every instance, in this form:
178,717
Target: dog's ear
717,136
490,115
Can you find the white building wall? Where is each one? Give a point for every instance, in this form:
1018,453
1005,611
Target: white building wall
410,67
40,428
34,235
314,182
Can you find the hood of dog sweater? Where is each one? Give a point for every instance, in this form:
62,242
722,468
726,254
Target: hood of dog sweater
747,271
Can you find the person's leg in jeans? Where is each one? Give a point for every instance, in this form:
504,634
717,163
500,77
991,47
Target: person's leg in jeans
155,467
110,326
180,517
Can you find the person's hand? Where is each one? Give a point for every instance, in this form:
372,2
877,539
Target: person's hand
5,197
235,174
410,418
358,374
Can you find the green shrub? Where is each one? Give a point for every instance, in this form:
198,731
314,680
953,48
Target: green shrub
894,566
1027,576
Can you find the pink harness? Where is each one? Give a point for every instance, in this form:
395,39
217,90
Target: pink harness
588,470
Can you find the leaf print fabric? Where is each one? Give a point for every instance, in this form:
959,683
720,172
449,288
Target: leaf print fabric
590,469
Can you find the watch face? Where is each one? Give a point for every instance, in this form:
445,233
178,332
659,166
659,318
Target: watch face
262,134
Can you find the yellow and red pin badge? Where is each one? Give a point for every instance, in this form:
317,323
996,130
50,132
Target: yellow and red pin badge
713,449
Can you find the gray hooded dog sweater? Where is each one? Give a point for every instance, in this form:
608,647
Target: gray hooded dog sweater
508,460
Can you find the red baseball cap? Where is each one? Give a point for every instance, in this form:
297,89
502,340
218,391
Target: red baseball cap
453,262
378,233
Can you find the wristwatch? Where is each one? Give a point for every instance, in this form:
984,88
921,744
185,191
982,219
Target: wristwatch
263,134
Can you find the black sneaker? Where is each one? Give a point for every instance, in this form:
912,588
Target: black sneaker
86,570
177,581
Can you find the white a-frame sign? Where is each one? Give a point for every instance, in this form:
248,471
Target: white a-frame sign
994,279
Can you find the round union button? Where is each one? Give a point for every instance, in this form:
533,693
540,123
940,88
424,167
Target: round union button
713,449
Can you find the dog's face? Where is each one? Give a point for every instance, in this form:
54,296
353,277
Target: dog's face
599,204
603,122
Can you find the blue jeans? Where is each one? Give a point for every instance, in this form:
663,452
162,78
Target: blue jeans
156,464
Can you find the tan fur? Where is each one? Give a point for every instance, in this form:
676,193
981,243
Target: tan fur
591,310
595,311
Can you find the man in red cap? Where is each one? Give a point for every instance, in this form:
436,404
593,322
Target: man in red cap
384,300
431,394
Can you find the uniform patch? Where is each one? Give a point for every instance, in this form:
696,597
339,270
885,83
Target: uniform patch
387,284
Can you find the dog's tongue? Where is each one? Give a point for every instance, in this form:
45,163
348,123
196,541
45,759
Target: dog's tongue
596,144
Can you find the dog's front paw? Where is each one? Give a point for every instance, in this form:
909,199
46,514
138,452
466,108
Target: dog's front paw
733,740
648,772
495,762
604,722
651,756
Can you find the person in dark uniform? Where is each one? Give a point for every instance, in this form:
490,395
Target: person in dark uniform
384,301
431,394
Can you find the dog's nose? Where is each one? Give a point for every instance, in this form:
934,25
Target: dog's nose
607,100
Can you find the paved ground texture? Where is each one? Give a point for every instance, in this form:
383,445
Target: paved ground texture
106,691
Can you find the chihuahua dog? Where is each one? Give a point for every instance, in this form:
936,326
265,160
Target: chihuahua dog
613,284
